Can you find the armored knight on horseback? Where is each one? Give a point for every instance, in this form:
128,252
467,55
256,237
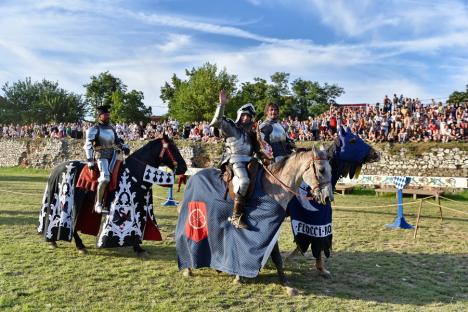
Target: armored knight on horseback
101,146
240,145
273,133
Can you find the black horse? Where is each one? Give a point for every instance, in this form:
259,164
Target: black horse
67,209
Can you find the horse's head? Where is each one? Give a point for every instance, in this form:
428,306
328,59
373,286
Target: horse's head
170,156
318,175
161,152
349,152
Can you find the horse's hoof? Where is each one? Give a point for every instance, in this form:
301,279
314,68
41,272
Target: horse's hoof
143,255
237,280
325,274
291,291
187,273
53,245
83,251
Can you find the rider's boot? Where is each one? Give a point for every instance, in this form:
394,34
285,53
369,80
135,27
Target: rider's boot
99,207
238,212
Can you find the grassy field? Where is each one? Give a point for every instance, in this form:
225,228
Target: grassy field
373,268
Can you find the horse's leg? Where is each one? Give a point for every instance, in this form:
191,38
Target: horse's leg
52,244
187,272
141,253
278,262
295,253
321,268
79,244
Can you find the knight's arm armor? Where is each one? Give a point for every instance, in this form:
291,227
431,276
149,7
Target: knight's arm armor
121,143
91,134
218,116
227,127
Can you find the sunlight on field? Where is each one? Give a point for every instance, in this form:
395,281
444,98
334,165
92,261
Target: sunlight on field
373,268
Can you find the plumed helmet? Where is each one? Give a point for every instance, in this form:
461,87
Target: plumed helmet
102,109
245,109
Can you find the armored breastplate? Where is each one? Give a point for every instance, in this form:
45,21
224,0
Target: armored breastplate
106,137
277,134
239,148
278,141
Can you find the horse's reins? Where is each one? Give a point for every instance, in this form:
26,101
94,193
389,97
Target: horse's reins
289,189
165,149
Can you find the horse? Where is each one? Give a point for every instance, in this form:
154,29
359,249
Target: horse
67,209
204,237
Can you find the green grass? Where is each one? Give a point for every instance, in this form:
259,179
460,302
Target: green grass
373,268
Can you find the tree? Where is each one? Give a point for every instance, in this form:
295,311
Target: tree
40,102
458,96
105,89
255,93
195,99
311,98
99,91
129,107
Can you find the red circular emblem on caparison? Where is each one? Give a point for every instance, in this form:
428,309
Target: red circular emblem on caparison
196,225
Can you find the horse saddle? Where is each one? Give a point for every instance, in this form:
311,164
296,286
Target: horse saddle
88,178
227,174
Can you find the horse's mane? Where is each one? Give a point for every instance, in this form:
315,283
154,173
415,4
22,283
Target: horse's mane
277,166
144,148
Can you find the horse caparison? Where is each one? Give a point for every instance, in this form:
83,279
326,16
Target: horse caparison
66,209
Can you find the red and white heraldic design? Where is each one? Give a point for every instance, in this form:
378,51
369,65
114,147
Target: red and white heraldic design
196,225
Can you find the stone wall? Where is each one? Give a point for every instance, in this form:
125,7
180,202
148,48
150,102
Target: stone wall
436,162
46,153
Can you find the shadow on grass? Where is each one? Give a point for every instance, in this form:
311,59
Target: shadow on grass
394,214
23,178
160,252
385,277
18,218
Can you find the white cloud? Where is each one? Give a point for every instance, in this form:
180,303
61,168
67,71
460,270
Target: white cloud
70,41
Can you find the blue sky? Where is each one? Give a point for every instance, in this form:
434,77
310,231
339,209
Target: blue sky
370,48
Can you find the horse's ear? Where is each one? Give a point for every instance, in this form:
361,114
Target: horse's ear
165,136
314,150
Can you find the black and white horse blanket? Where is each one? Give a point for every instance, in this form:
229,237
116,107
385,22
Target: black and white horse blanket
66,209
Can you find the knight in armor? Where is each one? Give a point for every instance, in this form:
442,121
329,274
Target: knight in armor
273,133
102,146
240,145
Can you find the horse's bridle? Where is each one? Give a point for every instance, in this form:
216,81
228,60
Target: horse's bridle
318,184
166,150
313,187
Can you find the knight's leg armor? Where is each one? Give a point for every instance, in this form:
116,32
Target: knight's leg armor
241,184
103,181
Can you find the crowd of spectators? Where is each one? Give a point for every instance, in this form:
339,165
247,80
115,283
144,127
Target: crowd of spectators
397,119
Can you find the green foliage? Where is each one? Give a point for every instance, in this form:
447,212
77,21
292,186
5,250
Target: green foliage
40,102
458,96
101,88
195,99
129,107
105,89
255,93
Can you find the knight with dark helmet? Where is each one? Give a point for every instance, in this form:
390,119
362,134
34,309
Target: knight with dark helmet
102,146
273,133
240,145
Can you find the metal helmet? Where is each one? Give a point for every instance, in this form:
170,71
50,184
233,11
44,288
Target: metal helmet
245,109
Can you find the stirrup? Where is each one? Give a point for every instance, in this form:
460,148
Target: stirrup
236,220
